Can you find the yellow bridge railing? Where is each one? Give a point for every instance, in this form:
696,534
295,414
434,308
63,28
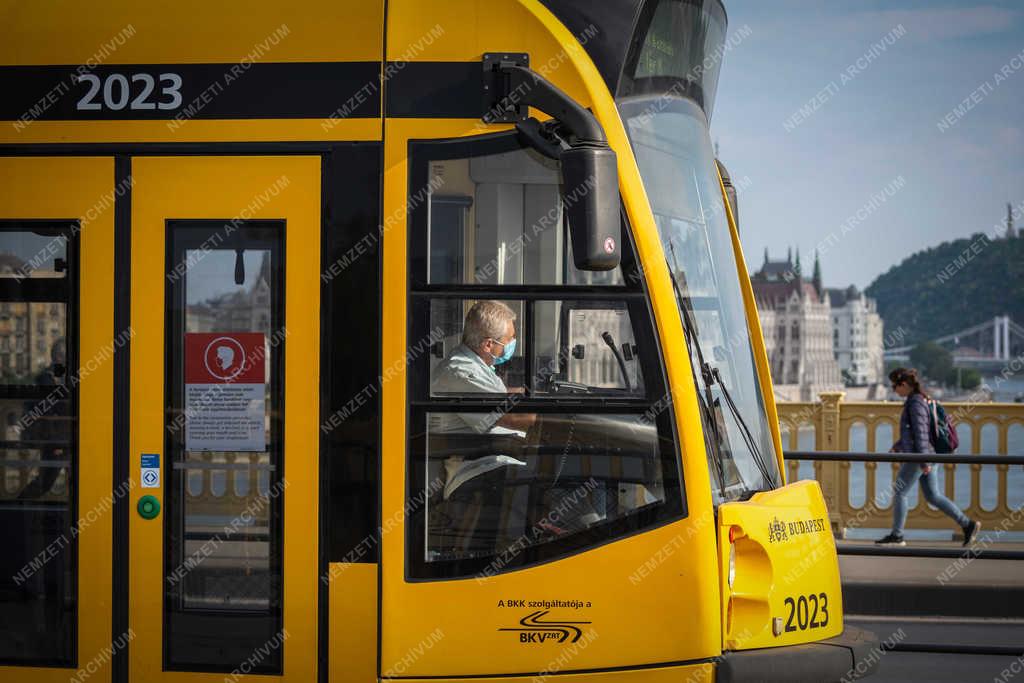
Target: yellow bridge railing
834,424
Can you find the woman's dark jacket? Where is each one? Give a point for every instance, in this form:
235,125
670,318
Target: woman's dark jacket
915,426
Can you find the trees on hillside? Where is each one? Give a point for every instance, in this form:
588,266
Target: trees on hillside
952,286
935,363
932,361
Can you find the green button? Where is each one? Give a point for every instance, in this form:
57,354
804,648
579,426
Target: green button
148,507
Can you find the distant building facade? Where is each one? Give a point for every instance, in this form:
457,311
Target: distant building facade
796,321
857,336
242,310
29,331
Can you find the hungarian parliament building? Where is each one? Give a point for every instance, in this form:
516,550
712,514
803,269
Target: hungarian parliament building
817,339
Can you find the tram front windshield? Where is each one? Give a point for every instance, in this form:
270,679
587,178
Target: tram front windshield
672,145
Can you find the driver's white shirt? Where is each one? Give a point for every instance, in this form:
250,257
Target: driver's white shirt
464,372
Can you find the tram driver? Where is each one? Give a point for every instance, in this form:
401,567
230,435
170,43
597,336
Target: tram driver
474,485
488,340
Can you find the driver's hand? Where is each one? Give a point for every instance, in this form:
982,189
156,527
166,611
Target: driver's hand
520,421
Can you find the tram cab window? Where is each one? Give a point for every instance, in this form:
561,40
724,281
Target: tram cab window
675,159
523,453
586,348
576,348
496,219
493,496
455,352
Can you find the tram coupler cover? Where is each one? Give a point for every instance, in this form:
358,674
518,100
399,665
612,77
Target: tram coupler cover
590,193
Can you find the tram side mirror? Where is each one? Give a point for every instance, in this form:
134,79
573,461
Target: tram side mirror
590,196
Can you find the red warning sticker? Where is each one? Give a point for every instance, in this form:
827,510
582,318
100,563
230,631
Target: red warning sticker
225,391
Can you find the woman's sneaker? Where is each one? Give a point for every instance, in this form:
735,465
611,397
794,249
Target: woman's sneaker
891,539
970,531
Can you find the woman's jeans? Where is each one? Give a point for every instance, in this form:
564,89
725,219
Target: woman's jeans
909,473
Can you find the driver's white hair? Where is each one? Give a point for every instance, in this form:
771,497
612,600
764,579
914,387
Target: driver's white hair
486,320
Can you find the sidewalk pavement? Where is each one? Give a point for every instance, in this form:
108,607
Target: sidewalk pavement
964,587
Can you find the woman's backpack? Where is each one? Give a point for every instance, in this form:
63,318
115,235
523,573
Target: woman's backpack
941,429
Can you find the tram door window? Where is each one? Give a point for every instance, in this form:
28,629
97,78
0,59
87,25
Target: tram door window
224,360
38,458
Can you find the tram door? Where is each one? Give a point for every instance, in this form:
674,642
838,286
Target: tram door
224,406
56,379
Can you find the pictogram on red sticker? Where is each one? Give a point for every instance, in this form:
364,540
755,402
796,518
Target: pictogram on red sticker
220,357
609,245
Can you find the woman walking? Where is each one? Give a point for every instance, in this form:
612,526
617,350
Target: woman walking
915,437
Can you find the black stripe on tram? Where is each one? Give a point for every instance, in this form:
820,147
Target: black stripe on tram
121,416
323,589
446,90
174,92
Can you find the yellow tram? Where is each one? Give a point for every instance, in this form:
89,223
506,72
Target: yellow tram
397,339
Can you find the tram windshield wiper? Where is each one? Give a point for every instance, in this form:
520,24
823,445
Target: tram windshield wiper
711,376
706,400
748,437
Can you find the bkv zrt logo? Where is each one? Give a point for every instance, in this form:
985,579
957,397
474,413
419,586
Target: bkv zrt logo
776,531
533,630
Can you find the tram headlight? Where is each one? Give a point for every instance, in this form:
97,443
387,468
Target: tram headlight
732,565
734,533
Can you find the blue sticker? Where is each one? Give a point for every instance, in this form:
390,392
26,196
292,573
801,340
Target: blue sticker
150,471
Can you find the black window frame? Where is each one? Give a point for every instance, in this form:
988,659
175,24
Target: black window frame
631,292
350,299
174,330
30,290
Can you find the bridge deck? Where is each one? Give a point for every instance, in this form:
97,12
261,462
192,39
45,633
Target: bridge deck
937,602
933,587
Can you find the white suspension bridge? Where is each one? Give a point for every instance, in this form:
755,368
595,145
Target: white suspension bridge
991,343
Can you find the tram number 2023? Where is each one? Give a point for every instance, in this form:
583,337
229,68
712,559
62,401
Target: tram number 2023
807,611
138,91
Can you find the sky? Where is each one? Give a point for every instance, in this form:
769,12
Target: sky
839,122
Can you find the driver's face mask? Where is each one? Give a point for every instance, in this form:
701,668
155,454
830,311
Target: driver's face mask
506,354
